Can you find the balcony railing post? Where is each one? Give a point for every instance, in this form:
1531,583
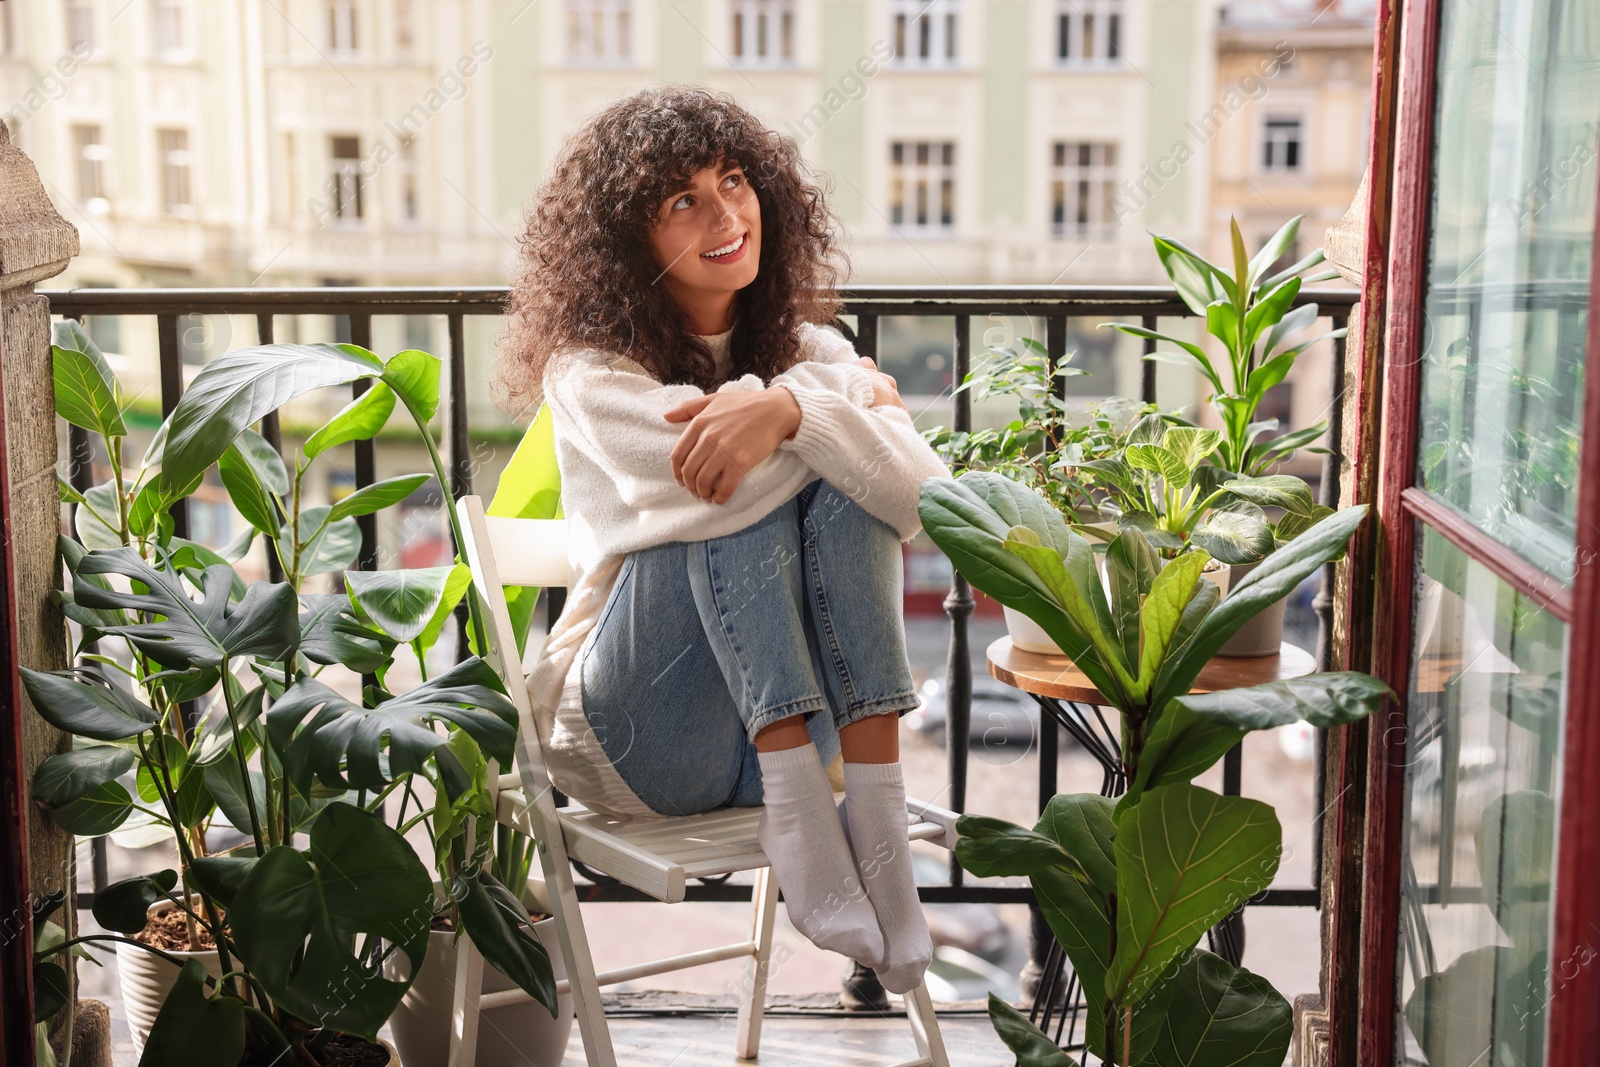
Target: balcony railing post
958,605
171,393
1147,367
274,435
458,443
1332,476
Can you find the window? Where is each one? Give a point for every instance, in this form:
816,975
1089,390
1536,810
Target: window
763,32
597,31
1088,32
405,36
924,32
344,180
1280,144
177,192
409,209
922,186
1083,189
80,23
166,27
91,155
341,26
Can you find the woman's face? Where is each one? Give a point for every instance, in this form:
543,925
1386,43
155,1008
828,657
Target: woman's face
716,212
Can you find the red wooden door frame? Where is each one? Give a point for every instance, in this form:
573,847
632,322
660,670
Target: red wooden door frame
1574,1004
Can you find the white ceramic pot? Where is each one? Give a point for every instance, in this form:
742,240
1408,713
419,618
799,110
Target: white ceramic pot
1262,635
1029,636
517,1035
1219,574
146,979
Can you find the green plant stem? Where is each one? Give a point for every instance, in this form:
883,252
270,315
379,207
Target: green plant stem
114,454
244,768
450,513
377,801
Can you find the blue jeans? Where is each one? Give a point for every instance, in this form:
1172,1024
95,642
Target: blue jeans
703,644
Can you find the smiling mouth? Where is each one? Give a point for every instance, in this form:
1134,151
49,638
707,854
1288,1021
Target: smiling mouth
726,250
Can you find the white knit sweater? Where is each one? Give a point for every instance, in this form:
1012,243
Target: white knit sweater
617,490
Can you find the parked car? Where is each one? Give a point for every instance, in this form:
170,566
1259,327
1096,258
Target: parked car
1001,716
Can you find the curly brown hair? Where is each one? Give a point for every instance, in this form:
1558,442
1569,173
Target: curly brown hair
584,279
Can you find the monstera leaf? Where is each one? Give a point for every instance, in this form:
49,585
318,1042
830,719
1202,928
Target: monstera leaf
318,732
304,922
190,633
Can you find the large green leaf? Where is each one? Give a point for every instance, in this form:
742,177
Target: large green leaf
529,488
1032,1047
403,603
1274,491
303,921
377,496
1329,699
51,991
414,377
316,730
192,634
98,812
84,703
241,387
66,776
331,632
1075,599
356,421
1186,857
970,518
96,519
122,906
1216,1013
1238,533
994,848
87,393
1159,617
195,1027
1270,581
245,490
498,924
219,878
1131,565
1079,912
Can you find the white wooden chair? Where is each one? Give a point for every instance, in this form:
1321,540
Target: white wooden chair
655,856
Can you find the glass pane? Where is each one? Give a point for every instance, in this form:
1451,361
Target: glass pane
1483,739
1511,234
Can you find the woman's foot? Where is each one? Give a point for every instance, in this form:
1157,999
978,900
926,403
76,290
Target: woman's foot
802,837
874,816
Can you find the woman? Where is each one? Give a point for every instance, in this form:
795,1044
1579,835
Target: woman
737,485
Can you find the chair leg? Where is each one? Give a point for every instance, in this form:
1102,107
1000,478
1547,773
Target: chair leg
925,1027
465,1013
753,1002
575,951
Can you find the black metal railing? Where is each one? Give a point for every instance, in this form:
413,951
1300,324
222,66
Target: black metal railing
865,308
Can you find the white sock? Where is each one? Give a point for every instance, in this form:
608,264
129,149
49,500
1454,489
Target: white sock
874,814
801,835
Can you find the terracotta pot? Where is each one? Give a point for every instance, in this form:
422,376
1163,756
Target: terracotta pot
517,1035
1262,635
146,979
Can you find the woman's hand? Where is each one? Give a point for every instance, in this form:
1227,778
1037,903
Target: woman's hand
884,388
728,434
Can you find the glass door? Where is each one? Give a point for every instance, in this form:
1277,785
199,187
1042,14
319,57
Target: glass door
1491,275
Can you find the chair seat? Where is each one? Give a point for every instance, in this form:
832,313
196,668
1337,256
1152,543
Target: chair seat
659,856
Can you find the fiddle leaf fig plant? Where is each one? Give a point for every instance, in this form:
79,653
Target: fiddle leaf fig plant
1254,318
1129,885
196,694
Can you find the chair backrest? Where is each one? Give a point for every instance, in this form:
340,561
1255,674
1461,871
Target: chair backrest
502,552
530,551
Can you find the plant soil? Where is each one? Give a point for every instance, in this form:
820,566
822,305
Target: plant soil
348,1050
170,933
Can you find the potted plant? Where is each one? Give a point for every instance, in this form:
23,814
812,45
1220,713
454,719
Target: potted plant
1129,885
1253,318
1045,447
300,933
